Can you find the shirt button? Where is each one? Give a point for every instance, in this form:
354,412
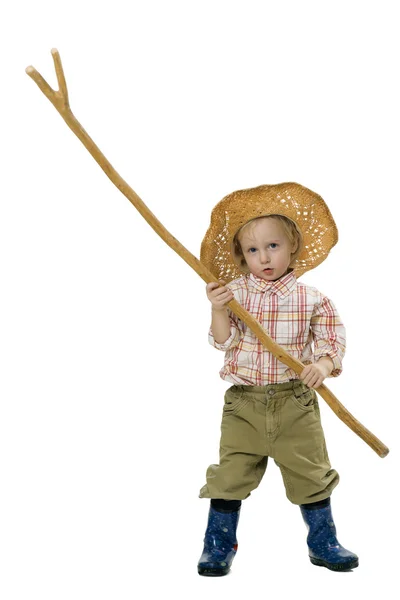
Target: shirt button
271,392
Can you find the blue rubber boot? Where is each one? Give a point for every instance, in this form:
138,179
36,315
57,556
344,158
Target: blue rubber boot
323,547
220,543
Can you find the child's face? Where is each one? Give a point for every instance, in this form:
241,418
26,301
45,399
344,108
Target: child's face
266,249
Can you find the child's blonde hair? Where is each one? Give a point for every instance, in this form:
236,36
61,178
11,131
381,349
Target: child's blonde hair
290,229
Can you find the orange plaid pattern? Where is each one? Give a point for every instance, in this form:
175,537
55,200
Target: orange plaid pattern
296,316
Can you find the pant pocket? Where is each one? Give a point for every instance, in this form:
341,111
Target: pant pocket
234,400
306,401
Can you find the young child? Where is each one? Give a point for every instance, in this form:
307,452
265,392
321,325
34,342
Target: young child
261,240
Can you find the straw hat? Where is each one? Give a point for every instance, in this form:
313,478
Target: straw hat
306,208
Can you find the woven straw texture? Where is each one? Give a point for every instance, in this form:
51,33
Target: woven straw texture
306,208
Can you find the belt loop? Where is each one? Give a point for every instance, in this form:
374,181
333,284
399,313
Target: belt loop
298,388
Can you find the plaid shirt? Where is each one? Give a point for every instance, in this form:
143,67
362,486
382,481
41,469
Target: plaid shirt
294,315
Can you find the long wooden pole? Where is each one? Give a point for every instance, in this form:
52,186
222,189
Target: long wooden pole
60,101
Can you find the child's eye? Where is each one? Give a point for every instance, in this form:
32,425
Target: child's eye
252,250
273,245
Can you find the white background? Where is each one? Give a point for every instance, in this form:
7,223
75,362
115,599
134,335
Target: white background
110,394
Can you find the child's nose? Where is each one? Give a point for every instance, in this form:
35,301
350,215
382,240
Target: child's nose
264,257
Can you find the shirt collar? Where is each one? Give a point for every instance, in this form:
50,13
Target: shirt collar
282,287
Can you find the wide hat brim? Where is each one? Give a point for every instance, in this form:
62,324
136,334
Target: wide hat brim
303,206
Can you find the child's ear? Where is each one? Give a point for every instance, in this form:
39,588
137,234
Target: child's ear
295,245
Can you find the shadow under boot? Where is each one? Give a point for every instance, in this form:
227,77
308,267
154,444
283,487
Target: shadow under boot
323,546
220,543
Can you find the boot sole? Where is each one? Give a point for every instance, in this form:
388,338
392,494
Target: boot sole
212,572
335,567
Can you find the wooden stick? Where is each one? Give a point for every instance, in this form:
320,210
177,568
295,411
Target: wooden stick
60,101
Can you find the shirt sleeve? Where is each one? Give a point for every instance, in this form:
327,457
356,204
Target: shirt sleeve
234,338
329,334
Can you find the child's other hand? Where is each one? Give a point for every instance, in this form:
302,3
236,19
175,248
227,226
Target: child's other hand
218,296
313,375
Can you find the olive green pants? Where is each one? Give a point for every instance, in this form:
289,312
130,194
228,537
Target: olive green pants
281,421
